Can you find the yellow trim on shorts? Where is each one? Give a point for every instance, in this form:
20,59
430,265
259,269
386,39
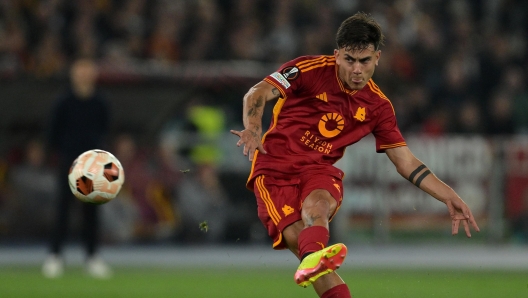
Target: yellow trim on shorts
265,196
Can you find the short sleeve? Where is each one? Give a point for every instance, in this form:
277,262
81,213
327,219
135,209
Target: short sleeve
386,132
287,79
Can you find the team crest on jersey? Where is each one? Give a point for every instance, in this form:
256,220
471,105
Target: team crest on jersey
290,73
361,113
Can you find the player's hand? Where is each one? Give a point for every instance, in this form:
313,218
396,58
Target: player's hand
251,142
459,211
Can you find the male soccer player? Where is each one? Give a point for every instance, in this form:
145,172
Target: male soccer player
325,103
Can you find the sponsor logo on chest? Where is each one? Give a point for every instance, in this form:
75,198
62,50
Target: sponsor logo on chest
329,126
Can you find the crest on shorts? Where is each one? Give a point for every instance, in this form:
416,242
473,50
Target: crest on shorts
287,210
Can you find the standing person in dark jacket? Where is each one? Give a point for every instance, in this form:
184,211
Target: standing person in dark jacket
79,122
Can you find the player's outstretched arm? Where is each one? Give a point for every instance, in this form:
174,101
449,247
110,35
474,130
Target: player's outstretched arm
253,109
417,173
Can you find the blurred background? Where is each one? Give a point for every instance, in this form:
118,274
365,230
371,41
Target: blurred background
175,72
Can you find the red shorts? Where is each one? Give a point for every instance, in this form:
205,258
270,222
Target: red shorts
279,201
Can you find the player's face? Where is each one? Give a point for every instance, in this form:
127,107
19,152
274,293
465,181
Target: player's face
356,67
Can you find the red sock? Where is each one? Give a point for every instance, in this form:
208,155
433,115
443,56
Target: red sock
340,291
312,239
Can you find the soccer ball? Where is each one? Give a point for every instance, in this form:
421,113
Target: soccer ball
96,176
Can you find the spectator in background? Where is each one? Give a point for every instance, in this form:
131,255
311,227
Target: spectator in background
438,122
207,25
469,118
134,192
169,172
124,213
130,27
202,197
164,43
83,30
500,113
203,200
49,60
244,39
428,52
79,123
145,209
34,187
515,79
13,43
282,39
245,30
413,106
494,56
457,80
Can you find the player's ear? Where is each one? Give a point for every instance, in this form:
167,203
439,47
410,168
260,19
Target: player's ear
336,56
378,54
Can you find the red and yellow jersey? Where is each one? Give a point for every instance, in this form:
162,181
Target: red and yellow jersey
316,118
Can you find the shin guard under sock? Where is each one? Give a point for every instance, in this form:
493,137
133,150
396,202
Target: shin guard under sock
312,239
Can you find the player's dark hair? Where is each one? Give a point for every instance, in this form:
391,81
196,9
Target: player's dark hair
358,32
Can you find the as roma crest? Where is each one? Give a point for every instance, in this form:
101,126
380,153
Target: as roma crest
360,114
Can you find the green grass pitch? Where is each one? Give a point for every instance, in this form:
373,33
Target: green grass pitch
133,282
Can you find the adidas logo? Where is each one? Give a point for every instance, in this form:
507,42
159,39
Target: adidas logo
322,97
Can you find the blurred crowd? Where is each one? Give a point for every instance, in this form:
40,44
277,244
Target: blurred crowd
174,190
448,66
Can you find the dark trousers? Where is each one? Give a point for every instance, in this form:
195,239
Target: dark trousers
90,215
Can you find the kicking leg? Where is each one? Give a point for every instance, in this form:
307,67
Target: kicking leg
307,240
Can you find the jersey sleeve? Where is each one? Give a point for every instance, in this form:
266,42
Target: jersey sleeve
386,132
287,79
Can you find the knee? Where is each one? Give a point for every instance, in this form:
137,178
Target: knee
320,201
318,207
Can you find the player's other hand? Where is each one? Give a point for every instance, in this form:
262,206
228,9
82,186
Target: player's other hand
459,211
251,142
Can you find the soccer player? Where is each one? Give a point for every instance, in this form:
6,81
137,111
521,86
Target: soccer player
325,104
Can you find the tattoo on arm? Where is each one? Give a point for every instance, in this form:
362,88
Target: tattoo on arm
256,107
421,177
419,180
415,172
276,92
